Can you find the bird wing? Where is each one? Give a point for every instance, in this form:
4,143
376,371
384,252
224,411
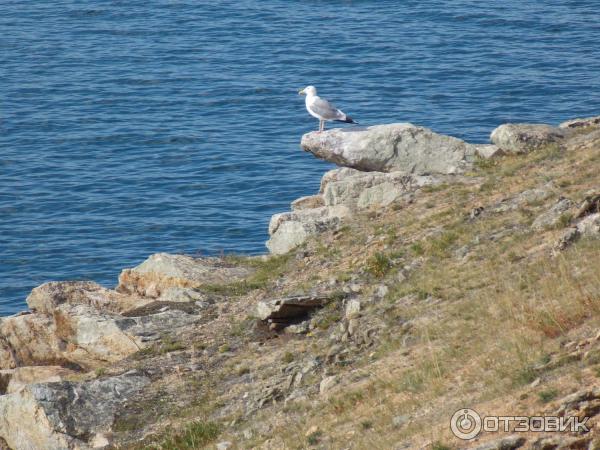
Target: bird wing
326,110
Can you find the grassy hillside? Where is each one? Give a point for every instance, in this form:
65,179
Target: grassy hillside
462,304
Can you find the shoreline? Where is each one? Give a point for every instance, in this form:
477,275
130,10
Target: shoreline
173,317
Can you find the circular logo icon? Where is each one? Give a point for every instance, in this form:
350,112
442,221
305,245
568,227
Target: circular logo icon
465,424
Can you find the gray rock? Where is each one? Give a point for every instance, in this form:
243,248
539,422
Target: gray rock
66,414
224,445
162,271
589,226
400,421
353,326
581,123
552,217
327,384
525,198
382,291
356,189
394,147
352,308
289,230
524,138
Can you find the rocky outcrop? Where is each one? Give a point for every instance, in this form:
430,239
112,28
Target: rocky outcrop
81,336
163,271
342,191
524,138
66,415
75,327
587,222
581,123
553,216
400,147
380,165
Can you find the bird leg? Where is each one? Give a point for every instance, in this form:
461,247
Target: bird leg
321,125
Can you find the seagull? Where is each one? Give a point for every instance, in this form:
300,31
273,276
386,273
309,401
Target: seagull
322,109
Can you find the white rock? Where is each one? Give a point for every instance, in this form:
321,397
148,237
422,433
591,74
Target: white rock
352,308
523,137
288,230
327,384
589,226
392,147
581,123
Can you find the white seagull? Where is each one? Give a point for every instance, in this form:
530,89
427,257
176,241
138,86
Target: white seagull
322,109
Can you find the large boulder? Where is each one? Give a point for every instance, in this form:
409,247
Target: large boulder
163,271
47,297
398,147
342,191
290,229
66,415
81,336
524,137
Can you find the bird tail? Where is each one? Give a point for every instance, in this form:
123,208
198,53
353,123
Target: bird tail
348,119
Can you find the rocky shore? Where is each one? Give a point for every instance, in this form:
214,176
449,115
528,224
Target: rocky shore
190,352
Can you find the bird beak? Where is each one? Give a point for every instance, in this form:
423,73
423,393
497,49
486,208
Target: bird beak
301,92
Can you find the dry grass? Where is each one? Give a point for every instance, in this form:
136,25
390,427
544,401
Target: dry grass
483,324
476,308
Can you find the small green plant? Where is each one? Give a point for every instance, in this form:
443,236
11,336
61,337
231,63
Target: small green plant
224,348
564,220
314,438
194,435
485,164
265,270
417,248
366,424
524,376
171,346
547,395
439,446
440,245
243,370
379,265
100,371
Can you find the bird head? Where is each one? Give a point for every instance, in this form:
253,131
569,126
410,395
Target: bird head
308,90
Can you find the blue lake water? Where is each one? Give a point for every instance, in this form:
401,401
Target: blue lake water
129,128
